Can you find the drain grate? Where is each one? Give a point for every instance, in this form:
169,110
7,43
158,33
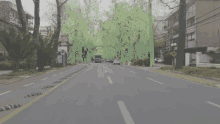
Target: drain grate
9,107
33,94
45,87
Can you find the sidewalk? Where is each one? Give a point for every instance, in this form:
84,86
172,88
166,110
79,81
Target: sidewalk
8,71
13,79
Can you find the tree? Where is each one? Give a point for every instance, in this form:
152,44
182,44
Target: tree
77,29
17,41
182,29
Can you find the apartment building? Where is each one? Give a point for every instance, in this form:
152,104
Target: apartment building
9,13
202,30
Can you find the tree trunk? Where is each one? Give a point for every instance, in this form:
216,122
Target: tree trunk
22,17
182,30
15,65
151,42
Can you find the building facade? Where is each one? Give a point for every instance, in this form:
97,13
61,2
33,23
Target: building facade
202,30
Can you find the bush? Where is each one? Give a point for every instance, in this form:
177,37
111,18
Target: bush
133,60
139,62
5,65
146,62
168,59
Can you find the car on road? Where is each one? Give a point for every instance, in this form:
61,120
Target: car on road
116,61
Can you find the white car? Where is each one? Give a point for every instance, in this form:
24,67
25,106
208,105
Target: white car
116,61
158,60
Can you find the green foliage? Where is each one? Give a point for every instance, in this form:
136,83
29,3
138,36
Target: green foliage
140,62
168,59
146,62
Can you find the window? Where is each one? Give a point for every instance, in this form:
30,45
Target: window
191,22
191,36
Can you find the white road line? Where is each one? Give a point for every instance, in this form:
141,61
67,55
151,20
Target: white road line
61,72
110,81
105,71
125,113
5,93
28,84
216,105
155,81
44,79
55,75
132,71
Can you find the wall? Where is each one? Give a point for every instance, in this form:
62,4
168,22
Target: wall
207,31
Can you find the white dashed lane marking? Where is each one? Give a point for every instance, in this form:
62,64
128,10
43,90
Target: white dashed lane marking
155,81
125,113
110,81
55,75
44,79
61,72
216,105
28,84
5,93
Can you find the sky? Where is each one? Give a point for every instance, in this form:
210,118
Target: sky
158,9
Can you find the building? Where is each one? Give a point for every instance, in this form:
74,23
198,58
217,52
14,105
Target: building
202,30
160,33
9,13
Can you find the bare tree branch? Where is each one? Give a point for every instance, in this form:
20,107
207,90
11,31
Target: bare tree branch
168,5
63,3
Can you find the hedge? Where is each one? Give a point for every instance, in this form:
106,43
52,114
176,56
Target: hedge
6,65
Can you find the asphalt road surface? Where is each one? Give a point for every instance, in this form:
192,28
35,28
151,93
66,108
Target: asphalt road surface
104,93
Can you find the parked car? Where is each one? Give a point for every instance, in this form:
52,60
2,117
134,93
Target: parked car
158,60
116,61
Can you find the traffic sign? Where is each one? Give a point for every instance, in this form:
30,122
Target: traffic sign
173,53
62,52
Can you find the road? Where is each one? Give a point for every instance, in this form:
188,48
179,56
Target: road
104,93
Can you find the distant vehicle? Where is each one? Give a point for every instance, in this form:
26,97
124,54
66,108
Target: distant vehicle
116,61
158,60
98,59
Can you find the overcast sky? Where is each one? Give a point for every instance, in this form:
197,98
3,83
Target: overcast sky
28,5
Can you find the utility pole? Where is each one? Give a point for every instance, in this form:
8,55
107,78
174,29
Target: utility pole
151,42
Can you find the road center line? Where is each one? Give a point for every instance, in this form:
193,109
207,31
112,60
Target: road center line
44,79
55,75
125,113
155,81
110,81
216,105
28,84
5,93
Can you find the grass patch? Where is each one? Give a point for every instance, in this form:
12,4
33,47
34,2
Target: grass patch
197,71
5,78
189,78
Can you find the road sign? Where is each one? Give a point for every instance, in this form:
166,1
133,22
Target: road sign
173,53
62,52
